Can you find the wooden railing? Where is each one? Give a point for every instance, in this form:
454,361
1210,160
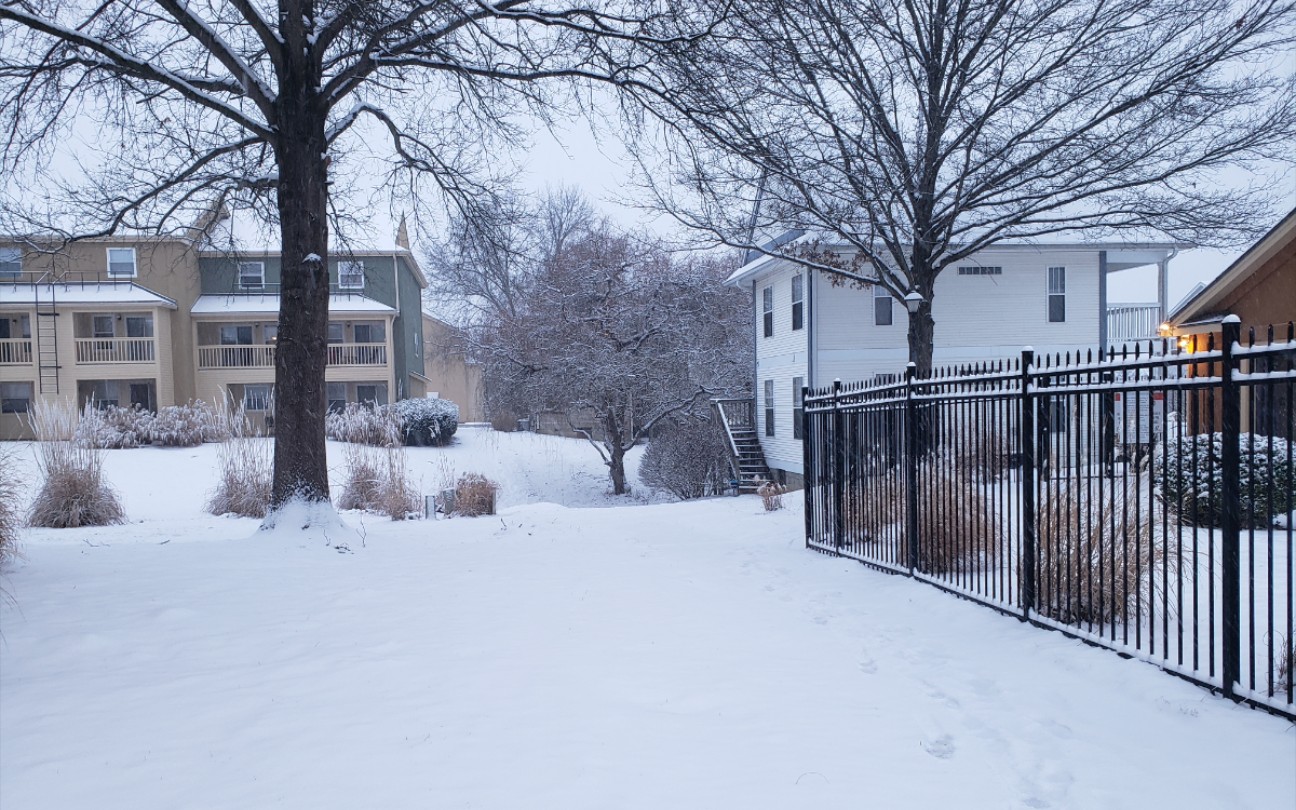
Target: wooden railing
15,351
115,350
339,354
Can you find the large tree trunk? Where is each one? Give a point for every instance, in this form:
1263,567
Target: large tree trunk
922,334
300,463
616,454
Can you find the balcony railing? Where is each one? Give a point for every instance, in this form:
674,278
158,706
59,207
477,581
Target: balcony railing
339,354
1131,322
15,351
115,350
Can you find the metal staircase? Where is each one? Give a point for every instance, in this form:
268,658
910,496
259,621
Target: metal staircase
746,458
47,354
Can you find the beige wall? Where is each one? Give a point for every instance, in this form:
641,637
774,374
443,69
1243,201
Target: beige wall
448,372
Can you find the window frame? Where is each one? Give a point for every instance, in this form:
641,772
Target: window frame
798,406
134,262
767,310
1055,292
890,306
980,270
17,256
335,404
379,398
353,266
147,320
267,401
798,302
341,330
769,408
260,285
369,327
8,397
103,334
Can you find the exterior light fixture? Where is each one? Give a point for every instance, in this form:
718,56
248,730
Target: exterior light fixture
912,301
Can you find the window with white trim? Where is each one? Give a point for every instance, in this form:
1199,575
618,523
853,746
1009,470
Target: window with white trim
257,397
769,407
270,333
336,332
1057,294
980,270
798,301
767,301
236,335
251,275
139,326
16,397
10,262
369,332
882,306
351,275
798,406
336,395
371,394
102,326
121,262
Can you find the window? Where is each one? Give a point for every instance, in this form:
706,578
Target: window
1057,294
102,326
121,262
141,396
251,275
15,397
10,262
270,333
767,296
351,275
105,394
769,407
139,326
368,332
798,301
798,406
371,394
257,397
979,270
336,333
236,335
336,395
882,302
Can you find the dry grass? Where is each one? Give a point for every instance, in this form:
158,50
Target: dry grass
475,495
378,481
246,478
9,517
1285,666
1097,549
771,495
73,492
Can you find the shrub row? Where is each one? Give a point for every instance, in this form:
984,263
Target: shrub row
426,422
118,427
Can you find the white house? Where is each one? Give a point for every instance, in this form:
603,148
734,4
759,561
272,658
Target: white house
1052,297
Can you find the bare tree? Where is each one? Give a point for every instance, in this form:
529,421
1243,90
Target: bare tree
621,332
274,101
904,136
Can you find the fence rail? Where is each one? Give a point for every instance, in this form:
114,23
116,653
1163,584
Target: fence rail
1142,500
254,356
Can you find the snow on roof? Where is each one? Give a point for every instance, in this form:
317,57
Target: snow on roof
78,292
239,303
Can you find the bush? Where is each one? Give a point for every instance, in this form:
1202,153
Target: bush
360,423
9,487
475,495
188,425
246,478
1096,550
428,422
686,457
1190,477
115,427
378,481
73,492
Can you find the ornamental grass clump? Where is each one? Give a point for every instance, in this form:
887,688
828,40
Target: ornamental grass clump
246,465
378,481
958,527
114,427
188,425
362,423
9,517
475,495
771,495
73,492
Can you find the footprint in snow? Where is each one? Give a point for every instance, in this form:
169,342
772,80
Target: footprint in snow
942,747
868,666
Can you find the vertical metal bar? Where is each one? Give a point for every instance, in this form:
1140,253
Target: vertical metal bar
808,446
1026,448
1230,523
911,470
839,469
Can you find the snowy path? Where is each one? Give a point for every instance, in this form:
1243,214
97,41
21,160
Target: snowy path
671,656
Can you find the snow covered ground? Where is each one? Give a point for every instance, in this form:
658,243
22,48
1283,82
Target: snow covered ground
654,656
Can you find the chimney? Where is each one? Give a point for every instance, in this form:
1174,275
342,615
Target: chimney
402,234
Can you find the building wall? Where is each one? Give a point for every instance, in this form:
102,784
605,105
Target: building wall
1268,296
449,373
780,358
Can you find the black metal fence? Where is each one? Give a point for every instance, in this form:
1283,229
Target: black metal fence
1140,499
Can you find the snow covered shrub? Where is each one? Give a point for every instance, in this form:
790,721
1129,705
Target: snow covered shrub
1096,550
187,425
246,478
114,427
687,458
771,495
1191,476
73,492
428,422
378,481
9,486
475,495
360,423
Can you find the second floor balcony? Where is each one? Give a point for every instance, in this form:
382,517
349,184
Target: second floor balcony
246,356
15,351
116,350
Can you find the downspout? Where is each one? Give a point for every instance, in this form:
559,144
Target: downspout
398,385
811,328
1163,285
1102,301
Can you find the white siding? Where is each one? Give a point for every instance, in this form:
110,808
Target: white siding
779,358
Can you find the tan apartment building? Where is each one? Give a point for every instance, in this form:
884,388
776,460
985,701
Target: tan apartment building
160,321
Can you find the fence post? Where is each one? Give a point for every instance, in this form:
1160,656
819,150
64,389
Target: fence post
1026,444
839,469
911,469
807,464
1230,519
